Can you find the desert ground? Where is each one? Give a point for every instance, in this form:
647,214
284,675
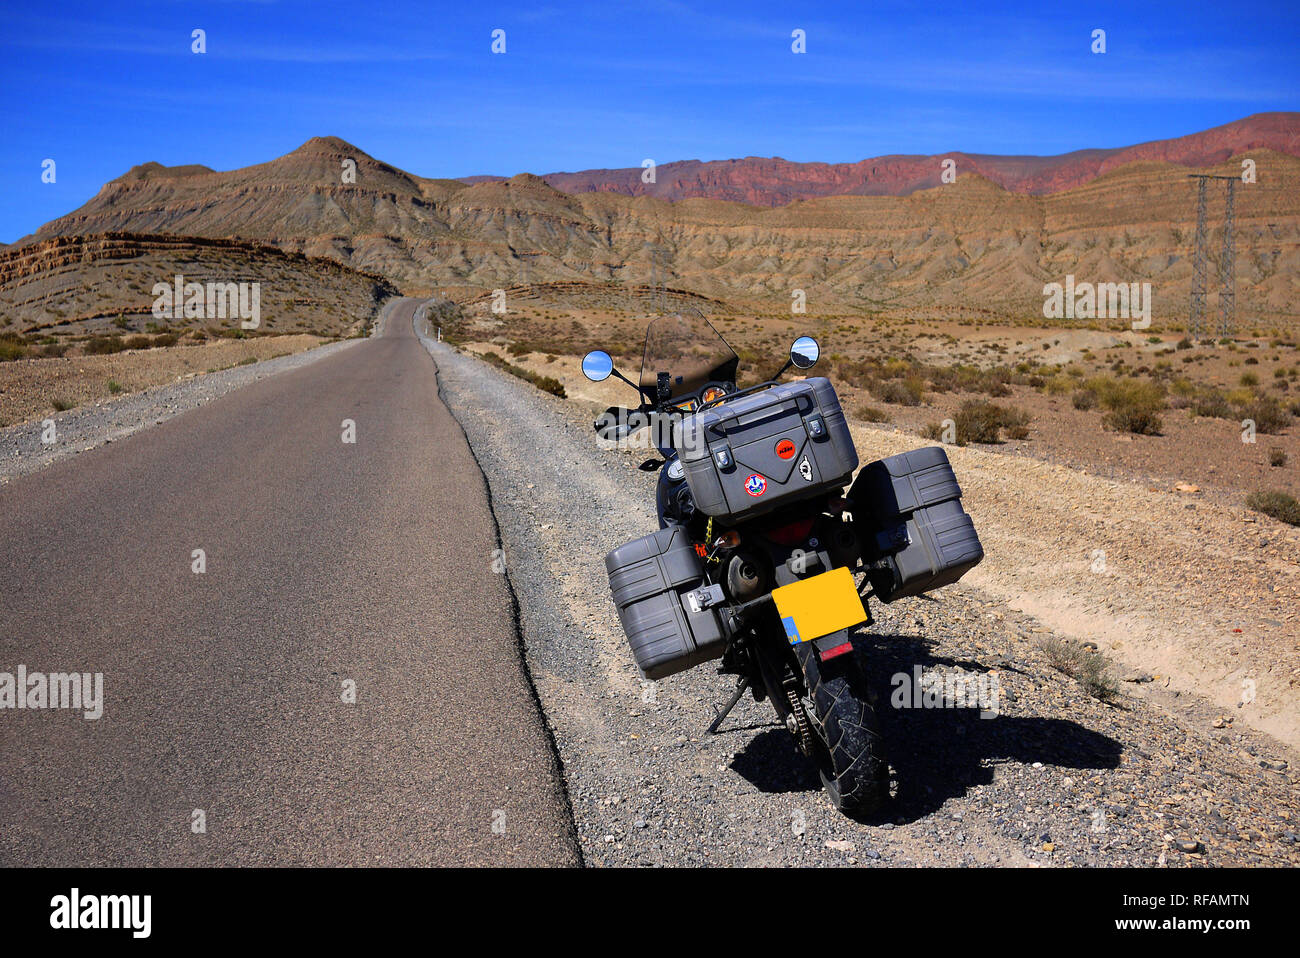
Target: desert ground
1130,534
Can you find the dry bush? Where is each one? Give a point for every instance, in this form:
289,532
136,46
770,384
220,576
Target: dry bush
981,421
103,345
900,392
1269,414
1090,669
1280,505
1133,405
868,413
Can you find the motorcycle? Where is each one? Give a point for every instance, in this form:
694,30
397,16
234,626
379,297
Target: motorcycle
762,561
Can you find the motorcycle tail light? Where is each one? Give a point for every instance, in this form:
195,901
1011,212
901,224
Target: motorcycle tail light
796,533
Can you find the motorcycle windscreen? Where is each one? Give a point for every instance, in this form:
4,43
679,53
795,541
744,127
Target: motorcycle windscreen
690,351
820,605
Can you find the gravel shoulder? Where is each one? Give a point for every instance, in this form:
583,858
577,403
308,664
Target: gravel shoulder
1057,778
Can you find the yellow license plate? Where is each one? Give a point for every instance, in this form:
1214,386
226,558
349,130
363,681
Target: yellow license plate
826,603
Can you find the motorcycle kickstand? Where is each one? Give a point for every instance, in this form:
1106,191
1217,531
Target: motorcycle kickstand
722,713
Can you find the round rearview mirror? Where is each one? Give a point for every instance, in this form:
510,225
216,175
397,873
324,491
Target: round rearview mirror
597,365
805,352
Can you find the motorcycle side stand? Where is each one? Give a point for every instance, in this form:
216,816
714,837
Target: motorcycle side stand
722,713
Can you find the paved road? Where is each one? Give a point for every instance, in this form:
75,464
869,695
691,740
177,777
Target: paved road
326,563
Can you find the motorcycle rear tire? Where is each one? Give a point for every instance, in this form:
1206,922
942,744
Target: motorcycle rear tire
850,751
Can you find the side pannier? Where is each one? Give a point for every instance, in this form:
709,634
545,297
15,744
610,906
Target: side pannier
652,579
915,535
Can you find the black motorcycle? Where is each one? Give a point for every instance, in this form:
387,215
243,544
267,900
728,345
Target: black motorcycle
761,559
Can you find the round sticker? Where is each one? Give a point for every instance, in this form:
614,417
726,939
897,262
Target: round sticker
786,449
756,485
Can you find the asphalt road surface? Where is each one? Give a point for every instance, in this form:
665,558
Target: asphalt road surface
228,736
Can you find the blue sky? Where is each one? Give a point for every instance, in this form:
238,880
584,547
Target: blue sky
100,87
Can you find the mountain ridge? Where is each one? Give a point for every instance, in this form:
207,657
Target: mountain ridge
774,181
971,243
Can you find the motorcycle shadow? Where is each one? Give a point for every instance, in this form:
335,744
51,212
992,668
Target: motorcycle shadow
941,753
936,753
772,763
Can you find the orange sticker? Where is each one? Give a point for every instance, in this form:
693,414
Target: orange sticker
786,449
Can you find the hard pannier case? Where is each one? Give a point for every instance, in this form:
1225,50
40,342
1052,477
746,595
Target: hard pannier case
752,454
651,579
914,533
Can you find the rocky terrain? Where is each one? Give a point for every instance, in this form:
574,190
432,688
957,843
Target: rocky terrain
81,284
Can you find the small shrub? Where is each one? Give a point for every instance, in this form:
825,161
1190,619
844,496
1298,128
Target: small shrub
978,421
137,342
1269,414
61,405
547,384
1277,457
103,345
1213,404
1015,422
901,392
11,350
114,386
1275,503
868,413
1090,669
1084,399
1134,405
933,430
982,421
1136,420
